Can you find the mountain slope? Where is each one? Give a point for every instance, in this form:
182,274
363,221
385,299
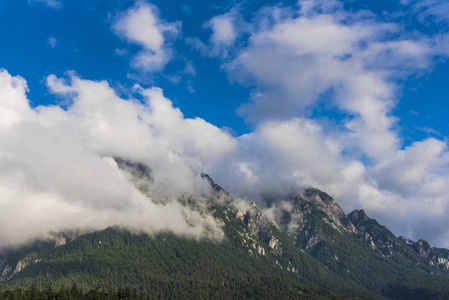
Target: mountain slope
166,265
357,248
308,248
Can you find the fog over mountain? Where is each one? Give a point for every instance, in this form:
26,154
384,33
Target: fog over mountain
56,167
325,85
57,170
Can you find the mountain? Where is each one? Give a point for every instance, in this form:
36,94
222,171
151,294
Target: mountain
308,248
359,249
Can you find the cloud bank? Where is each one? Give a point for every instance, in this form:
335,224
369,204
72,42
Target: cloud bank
56,171
325,83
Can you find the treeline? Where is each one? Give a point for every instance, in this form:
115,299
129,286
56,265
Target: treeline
72,293
169,267
166,267
272,289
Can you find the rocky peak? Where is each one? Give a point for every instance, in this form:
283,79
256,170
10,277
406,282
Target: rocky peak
218,191
214,186
423,248
434,256
358,216
372,233
405,241
367,225
316,199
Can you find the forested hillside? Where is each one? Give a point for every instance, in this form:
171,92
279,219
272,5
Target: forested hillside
310,250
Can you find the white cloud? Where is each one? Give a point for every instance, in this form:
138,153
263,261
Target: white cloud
15,105
59,85
351,61
141,25
295,60
55,173
284,155
226,29
406,191
223,30
67,148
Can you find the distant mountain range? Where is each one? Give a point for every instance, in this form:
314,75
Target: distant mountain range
308,248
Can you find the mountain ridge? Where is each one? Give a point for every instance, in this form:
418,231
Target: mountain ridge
309,241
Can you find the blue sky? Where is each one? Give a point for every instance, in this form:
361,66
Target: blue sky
84,42
346,96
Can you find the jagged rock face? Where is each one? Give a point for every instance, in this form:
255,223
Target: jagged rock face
19,267
377,236
63,238
257,222
304,215
258,236
240,215
374,234
424,249
5,269
276,246
358,216
367,239
5,273
60,241
313,218
214,186
366,225
260,227
310,223
305,204
433,256
218,191
323,202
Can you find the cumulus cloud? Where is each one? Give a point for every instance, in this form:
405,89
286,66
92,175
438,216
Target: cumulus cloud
57,171
279,154
406,191
226,29
142,25
295,59
298,59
